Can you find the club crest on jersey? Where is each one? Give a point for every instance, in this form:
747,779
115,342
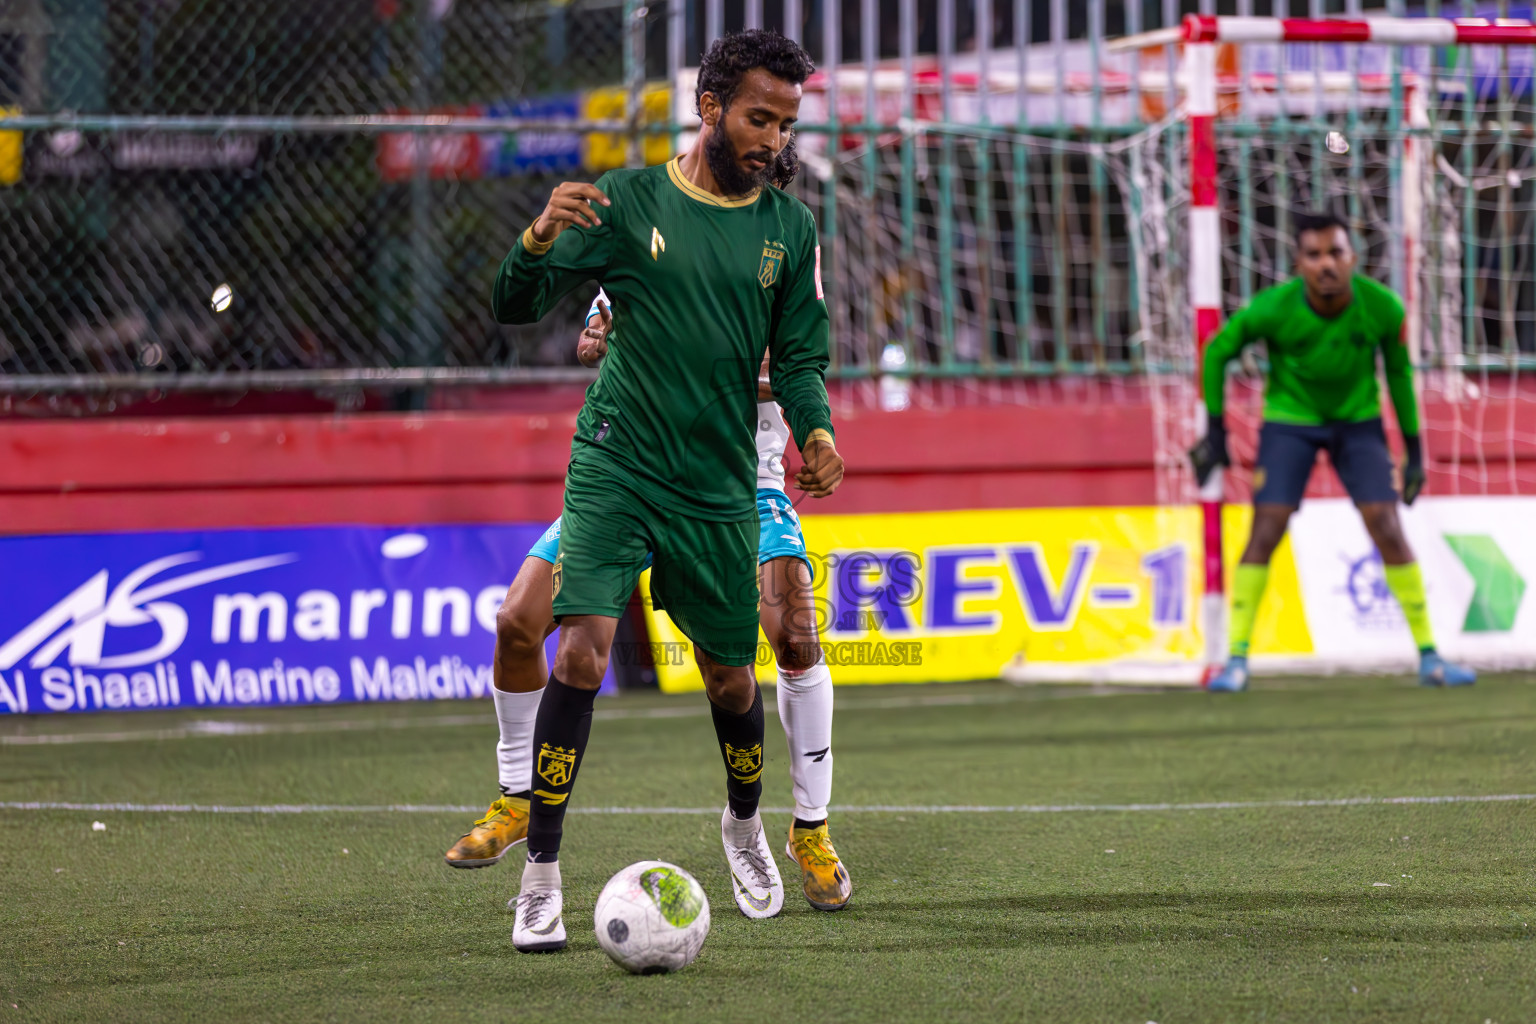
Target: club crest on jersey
745,763
773,263
557,576
556,764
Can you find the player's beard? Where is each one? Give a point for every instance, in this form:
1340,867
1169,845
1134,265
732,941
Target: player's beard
786,165
733,179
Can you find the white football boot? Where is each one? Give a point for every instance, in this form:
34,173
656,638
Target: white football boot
538,927
755,878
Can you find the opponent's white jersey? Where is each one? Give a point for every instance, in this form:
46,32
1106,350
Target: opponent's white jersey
772,431
593,311
772,439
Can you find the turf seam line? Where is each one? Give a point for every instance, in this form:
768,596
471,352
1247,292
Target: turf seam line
216,729
1222,805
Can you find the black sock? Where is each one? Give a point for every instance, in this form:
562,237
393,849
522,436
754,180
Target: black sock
559,739
741,744
802,823
522,794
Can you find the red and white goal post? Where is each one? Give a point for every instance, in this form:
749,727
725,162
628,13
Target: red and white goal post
1199,37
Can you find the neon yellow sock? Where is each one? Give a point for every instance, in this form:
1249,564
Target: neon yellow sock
1407,585
1248,584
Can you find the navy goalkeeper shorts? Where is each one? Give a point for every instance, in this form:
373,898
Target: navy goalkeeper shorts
1358,451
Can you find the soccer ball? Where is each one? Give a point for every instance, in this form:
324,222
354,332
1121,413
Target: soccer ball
652,917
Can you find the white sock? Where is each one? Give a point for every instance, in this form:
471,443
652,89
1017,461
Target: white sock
541,876
515,713
805,711
741,831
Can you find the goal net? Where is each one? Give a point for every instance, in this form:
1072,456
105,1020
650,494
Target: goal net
1423,146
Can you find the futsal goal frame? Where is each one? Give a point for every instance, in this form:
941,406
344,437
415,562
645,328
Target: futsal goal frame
1200,35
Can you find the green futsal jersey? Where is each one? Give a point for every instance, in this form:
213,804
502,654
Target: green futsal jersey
1321,369
699,286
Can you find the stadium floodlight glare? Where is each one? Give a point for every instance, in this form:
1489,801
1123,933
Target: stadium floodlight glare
221,298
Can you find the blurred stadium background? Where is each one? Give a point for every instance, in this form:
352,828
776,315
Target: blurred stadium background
248,245
262,445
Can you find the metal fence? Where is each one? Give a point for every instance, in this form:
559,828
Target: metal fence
247,192
220,189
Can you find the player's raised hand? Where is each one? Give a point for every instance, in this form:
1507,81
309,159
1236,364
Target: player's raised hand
823,469
1210,452
570,203
592,346
1413,469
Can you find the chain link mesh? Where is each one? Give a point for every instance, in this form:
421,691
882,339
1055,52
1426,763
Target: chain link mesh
218,190
1443,214
286,238
979,253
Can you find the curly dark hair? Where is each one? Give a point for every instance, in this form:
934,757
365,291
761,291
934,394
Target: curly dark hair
732,56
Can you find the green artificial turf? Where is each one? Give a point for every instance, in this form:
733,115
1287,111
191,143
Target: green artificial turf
1260,913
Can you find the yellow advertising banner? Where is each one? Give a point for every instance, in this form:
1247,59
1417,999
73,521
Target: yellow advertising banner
608,150
10,150
1052,593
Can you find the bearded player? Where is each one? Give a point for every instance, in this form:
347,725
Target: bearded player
708,269
1324,329
788,619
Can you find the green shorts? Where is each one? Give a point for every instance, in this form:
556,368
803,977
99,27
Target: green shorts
704,572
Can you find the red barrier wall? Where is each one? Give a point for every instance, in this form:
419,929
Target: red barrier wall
94,475
1040,445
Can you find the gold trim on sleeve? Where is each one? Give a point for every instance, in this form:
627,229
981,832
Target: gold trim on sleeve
533,245
819,434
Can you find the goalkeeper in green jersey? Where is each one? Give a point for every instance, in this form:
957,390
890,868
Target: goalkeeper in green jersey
706,267
1324,329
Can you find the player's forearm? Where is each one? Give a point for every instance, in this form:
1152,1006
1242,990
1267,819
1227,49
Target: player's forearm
524,288
799,385
807,412
1404,401
1213,370
536,275
1213,381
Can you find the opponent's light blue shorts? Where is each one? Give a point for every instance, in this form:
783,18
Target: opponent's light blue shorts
778,532
547,547
778,528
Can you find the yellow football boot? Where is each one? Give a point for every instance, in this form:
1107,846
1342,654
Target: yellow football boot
503,827
826,881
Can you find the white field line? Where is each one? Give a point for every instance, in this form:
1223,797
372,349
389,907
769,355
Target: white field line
195,730
1223,805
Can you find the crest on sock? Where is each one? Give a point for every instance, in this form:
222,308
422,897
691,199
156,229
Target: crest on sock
556,764
745,763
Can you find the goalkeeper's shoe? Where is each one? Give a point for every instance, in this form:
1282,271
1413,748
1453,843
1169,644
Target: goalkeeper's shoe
1233,678
826,881
504,825
1436,671
755,880
538,926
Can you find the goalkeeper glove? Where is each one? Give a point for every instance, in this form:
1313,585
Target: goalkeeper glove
1211,451
1413,470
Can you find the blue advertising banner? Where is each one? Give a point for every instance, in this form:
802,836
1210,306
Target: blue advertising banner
528,151
225,618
